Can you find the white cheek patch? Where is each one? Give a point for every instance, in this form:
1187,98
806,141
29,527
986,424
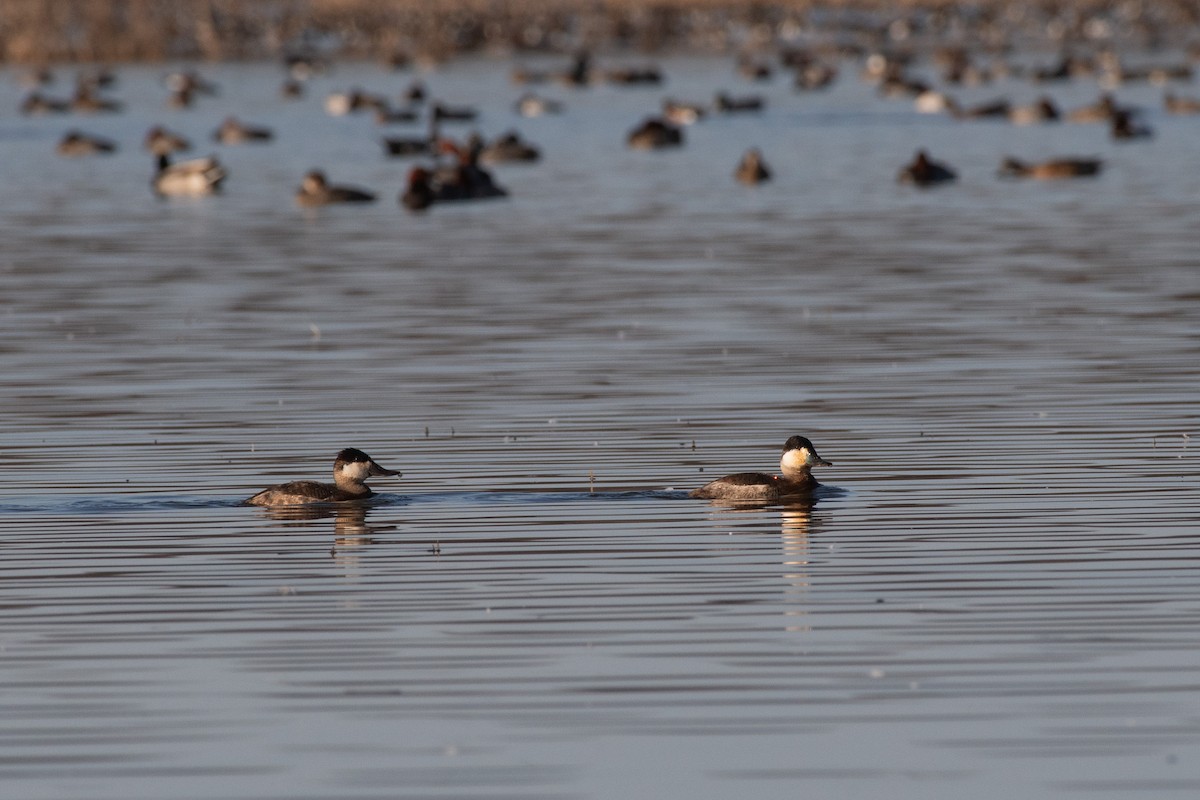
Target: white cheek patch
796,459
356,470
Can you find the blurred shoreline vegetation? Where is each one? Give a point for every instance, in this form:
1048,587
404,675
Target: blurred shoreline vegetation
116,31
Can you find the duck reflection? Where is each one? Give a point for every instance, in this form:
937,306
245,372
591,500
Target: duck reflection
350,527
797,524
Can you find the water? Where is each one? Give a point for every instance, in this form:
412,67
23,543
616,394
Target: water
998,600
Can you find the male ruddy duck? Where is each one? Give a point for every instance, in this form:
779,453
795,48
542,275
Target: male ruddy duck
799,457
351,469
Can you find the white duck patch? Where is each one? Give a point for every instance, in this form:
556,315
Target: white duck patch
357,471
796,460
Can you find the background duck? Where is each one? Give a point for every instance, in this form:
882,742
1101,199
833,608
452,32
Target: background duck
315,190
654,133
923,171
1054,169
161,141
192,178
233,131
751,170
77,143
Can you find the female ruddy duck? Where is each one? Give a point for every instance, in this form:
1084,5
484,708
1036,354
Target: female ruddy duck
351,469
799,457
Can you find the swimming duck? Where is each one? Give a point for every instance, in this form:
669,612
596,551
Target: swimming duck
386,115
728,104
77,143
509,147
418,193
990,109
751,68
751,170
799,457
191,82
682,113
193,178
924,172
87,101
634,76
465,180
445,113
1100,111
351,469
531,105
1175,104
812,77
159,140
1055,169
233,131
37,103
315,190
1125,127
654,133
1043,110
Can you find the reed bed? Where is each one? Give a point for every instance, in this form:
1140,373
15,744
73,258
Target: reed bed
44,31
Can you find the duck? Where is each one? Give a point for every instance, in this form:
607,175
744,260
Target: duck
445,113
989,109
814,77
386,115
531,105
925,172
315,190
191,82
1043,110
654,133
728,104
751,170
1100,111
508,148
192,178
1125,127
37,103
1176,104
159,140
799,457
404,146
465,180
77,143
351,468
682,113
418,193
233,131
1054,169
87,101
634,76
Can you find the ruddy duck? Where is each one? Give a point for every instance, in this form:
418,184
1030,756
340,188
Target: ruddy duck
799,457
351,469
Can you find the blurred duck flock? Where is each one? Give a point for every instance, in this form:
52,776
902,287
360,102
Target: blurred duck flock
597,280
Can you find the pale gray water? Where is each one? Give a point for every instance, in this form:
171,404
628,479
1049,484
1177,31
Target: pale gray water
1001,602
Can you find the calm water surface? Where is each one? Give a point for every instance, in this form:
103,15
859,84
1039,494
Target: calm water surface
998,600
